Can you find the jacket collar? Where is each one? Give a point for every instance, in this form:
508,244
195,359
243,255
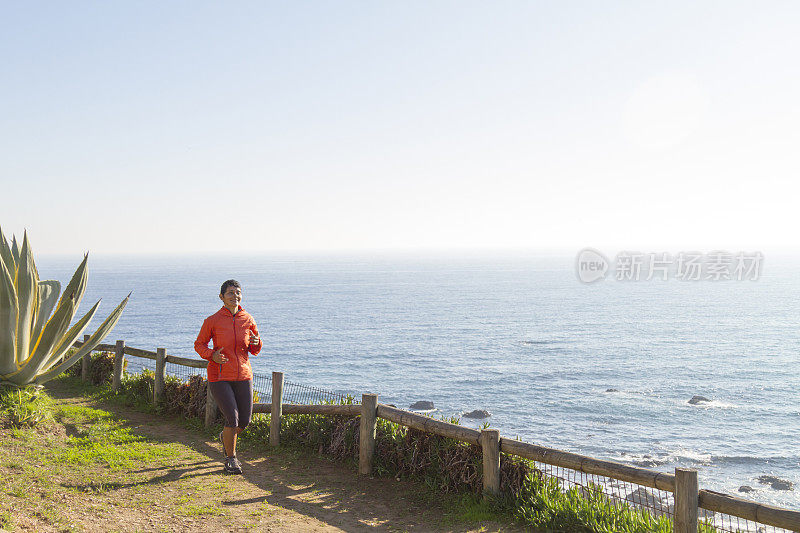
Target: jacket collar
225,311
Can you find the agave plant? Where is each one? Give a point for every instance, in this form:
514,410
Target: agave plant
34,344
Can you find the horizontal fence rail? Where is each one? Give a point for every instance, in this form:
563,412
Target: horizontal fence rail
428,424
749,510
589,465
689,506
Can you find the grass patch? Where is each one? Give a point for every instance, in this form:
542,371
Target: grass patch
93,436
6,520
473,509
201,510
100,439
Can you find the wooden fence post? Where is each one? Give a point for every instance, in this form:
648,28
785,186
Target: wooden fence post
85,360
211,406
161,364
119,356
686,500
366,441
277,409
490,443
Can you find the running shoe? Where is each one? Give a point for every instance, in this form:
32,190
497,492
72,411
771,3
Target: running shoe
233,466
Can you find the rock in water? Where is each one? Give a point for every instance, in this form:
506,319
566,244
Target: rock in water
612,390
698,399
776,482
477,413
422,405
645,499
746,488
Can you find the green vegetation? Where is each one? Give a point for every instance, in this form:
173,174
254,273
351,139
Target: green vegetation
34,344
102,440
96,437
25,407
201,510
6,522
543,503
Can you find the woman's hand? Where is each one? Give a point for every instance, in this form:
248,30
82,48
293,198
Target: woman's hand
218,358
253,339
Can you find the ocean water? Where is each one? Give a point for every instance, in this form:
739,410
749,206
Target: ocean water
518,336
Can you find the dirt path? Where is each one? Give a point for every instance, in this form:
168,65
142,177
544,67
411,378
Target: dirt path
184,489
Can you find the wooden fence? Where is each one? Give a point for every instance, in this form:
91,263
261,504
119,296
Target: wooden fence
689,498
160,357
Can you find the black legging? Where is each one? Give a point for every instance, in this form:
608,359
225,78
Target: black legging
235,400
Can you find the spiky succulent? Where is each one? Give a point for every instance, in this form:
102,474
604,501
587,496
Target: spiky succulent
34,344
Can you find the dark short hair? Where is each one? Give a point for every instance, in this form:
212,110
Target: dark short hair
229,283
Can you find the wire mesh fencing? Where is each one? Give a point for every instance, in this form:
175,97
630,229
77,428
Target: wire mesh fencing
303,394
620,494
721,522
657,503
297,393
138,364
183,372
262,385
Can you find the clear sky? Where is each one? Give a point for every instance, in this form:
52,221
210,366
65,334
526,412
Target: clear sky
152,127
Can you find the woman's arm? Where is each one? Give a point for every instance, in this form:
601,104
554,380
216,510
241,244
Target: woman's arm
203,338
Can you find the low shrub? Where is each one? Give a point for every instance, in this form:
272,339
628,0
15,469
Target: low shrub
27,406
101,368
138,388
543,503
185,398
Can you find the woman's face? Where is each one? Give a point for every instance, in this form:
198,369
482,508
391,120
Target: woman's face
232,297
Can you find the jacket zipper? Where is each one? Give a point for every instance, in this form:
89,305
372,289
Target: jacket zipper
219,371
235,351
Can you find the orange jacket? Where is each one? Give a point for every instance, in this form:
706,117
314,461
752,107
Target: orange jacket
232,334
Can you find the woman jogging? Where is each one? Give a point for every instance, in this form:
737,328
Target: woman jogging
235,337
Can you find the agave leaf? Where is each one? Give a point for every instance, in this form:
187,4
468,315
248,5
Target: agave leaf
6,256
15,249
43,360
58,324
53,331
8,322
27,285
98,336
77,285
48,296
69,338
